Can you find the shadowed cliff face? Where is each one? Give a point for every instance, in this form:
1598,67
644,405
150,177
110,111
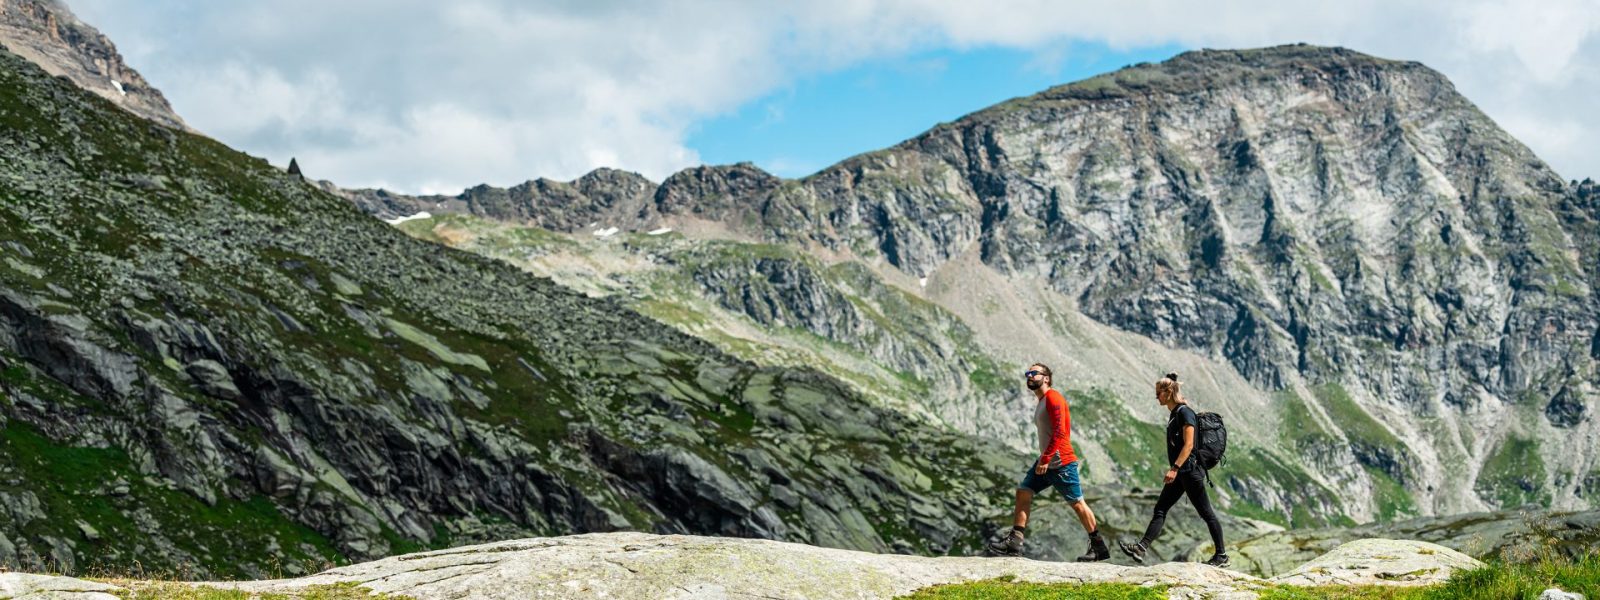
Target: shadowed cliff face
1340,245
212,367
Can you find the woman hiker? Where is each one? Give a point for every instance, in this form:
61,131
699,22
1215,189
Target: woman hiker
1184,475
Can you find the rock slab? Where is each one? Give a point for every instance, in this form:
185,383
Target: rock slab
27,586
638,565
641,565
1381,562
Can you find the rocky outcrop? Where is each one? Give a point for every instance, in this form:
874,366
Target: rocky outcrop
1381,562
25,586
633,565
1509,536
47,33
726,194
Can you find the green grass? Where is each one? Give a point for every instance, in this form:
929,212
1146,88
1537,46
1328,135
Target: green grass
1357,423
1394,502
1300,431
1514,474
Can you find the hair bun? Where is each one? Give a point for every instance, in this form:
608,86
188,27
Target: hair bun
1172,376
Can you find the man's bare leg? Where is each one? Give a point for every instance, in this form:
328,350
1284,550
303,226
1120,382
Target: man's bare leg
1085,516
1024,503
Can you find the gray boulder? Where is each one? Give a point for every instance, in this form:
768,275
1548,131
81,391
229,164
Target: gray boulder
27,586
1381,562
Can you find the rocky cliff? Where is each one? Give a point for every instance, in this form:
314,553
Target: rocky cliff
1343,247
47,33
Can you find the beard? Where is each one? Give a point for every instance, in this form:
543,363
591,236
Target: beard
1034,385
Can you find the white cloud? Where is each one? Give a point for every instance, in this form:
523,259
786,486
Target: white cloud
435,96
1545,37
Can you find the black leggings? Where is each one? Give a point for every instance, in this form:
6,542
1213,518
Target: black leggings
1191,481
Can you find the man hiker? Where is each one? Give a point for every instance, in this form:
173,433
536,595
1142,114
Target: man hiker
1056,467
1184,475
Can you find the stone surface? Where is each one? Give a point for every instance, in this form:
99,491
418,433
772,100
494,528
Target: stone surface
25,586
632,565
1381,562
1556,594
638,565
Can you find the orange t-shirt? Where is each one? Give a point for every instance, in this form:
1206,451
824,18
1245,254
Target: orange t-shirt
1054,420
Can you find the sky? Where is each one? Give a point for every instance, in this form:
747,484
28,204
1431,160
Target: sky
424,96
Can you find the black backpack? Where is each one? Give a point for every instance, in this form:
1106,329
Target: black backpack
1210,440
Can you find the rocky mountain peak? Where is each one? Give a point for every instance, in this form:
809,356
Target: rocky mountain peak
1212,70
48,34
710,192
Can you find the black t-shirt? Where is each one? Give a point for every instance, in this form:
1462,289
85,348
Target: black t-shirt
1181,417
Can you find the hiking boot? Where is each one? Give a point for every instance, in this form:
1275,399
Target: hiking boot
1134,551
1097,550
1010,545
1218,560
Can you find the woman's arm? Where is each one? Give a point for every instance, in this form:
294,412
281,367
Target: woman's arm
1183,454
1188,445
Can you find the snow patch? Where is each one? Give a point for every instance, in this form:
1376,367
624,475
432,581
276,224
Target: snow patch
924,282
118,85
399,220
605,233
661,231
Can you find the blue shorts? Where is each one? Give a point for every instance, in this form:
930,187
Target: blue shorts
1064,480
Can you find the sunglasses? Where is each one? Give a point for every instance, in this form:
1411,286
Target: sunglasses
1030,374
